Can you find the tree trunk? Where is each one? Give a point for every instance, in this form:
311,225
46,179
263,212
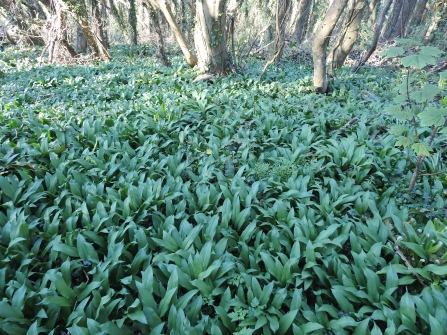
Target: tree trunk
133,22
153,15
81,41
440,7
282,6
321,41
210,36
402,23
377,32
98,10
393,19
97,48
304,9
370,10
163,5
417,16
349,32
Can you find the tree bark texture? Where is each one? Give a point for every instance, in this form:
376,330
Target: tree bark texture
400,30
81,41
163,5
282,6
321,41
377,32
133,22
349,32
393,19
210,36
304,9
98,11
418,14
371,10
97,48
153,15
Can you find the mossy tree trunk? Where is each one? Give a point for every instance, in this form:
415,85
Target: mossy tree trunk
349,32
210,36
321,42
97,47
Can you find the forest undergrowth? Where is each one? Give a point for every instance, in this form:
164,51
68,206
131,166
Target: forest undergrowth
134,201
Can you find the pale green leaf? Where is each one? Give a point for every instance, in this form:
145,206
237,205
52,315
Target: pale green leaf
392,52
403,141
422,148
399,130
433,117
418,61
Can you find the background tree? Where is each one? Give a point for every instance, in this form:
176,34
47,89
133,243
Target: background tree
210,36
440,12
321,42
165,8
282,7
377,32
302,20
349,32
393,19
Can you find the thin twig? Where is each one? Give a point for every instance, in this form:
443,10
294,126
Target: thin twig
271,61
433,174
408,264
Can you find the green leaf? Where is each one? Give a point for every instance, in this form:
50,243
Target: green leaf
403,141
7,188
407,307
433,117
397,112
165,303
439,270
286,321
310,327
138,316
427,93
392,52
399,130
418,61
435,326
59,301
422,148
417,249
86,250
343,322
66,249
430,51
